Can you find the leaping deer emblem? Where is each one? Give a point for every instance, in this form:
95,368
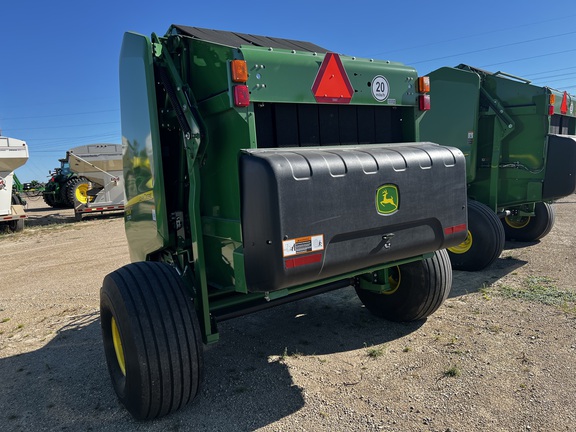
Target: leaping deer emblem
387,200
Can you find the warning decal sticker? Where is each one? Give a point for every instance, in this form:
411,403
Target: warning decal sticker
303,245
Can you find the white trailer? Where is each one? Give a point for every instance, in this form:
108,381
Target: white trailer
13,154
101,164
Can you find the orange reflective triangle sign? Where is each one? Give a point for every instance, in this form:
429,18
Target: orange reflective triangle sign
332,84
564,106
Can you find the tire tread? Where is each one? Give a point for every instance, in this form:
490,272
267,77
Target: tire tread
166,338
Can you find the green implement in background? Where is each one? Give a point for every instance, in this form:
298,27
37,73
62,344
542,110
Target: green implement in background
520,151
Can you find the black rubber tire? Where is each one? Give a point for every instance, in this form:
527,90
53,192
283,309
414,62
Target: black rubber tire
18,200
49,198
160,338
16,225
486,234
423,287
536,226
63,200
69,190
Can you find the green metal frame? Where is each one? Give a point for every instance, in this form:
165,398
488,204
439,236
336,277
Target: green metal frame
17,185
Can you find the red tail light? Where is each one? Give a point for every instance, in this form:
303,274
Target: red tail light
241,96
424,87
424,102
551,102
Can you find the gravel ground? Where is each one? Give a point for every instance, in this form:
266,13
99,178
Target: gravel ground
499,355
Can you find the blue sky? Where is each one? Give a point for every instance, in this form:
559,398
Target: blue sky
59,58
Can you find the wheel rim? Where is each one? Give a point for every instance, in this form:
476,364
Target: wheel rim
394,279
118,347
82,193
464,246
517,222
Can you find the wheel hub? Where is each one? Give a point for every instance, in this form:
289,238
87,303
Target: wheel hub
464,246
517,222
118,347
82,193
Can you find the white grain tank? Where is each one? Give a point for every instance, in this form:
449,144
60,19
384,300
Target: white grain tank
13,154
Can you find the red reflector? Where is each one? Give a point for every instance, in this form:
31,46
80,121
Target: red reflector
424,102
241,96
455,229
332,84
564,106
303,260
550,109
14,217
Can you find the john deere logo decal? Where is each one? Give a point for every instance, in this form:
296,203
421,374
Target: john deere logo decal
387,198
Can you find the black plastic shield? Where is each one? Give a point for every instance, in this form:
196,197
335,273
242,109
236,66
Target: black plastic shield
310,214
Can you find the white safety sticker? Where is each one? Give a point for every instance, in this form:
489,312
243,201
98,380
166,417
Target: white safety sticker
380,88
302,245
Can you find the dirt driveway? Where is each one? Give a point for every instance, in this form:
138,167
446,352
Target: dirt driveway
498,356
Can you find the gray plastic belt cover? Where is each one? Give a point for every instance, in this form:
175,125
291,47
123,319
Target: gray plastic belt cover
313,213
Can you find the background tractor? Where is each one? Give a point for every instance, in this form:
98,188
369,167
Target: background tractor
64,186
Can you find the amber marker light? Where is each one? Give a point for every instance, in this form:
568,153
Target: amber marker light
239,71
423,84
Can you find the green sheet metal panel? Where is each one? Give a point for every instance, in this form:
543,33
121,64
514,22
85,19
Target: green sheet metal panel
523,158
220,200
228,132
453,117
145,214
288,76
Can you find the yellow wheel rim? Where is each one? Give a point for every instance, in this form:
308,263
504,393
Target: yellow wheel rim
118,347
394,279
517,222
82,193
464,246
